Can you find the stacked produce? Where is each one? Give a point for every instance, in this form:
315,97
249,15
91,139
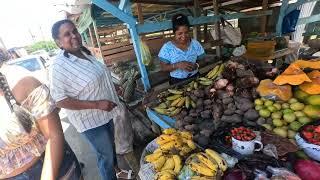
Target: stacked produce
173,147
128,84
284,118
206,165
243,134
311,133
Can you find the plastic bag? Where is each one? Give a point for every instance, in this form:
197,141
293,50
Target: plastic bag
269,90
146,54
282,173
186,173
147,170
229,34
123,132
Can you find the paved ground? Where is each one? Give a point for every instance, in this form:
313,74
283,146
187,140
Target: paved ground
83,151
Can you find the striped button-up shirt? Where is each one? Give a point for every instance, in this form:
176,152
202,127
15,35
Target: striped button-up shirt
85,80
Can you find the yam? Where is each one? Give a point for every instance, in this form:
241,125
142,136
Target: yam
243,73
243,104
199,93
251,115
183,113
195,114
235,118
222,94
206,132
203,141
207,102
227,100
192,111
206,114
188,119
209,107
250,123
238,111
199,110
228,112
193,98
180,124
190,127
199,103
261,121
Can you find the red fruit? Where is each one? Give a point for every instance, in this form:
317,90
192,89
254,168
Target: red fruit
317,129
307,135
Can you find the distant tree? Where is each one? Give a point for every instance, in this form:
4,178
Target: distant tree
47,45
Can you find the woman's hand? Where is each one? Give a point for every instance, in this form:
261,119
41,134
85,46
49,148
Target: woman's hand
106,105
187,66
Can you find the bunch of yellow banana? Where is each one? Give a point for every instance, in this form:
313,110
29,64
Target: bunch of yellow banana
207,164
180,141
165,175
193,85
215,72
174,104
163,163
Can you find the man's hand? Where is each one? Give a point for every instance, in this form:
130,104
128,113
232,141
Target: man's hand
106,105
119,90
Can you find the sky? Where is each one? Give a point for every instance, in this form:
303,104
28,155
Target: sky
21,18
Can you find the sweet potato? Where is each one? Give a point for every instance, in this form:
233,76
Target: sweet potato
235,118
228,112
251,115
227,100
207,102
203,141
199,93
238,111
194,114
261,121
188,119
191,127
206,132
206,114
199,103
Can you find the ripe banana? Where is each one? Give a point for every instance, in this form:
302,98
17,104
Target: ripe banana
168,145
191,144
187,102
202,169
206,161
177,163
169,131
165,175
173,97
161,111
175,112
175,102
216,156
168,165
159,163
185,134
153,157
162,106
174,91
171,109
181,102
185,150
164,138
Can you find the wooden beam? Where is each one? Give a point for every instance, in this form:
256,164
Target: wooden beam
264,18
91,37
217,27
310,19
196,9
205,29
140,14
165,25
97,37
224,4
164,2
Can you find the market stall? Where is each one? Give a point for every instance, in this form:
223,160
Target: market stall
253,111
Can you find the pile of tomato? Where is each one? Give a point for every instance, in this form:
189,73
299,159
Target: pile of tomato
243,134
311,134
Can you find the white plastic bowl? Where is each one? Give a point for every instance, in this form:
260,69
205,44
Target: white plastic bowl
312,150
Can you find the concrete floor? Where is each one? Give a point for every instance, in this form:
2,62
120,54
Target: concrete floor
83,151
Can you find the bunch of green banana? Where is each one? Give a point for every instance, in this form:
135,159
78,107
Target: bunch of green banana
193,85
215,72
205,81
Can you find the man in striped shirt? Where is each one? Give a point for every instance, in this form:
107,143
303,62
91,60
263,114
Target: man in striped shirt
83,86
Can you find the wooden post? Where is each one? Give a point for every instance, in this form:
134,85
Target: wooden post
264,18
217,27
97,38
140,15
205,28
91,37
196,9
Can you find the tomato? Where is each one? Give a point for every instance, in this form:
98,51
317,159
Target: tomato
307,135
317,129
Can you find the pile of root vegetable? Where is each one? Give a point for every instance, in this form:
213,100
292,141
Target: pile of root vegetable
228,99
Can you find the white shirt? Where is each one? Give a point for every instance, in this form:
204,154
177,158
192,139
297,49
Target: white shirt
83,80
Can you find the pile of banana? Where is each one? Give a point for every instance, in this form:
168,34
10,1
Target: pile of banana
174,103
206,164
173,146
215,72
174,100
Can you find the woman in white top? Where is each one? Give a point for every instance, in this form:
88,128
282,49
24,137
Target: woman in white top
83,86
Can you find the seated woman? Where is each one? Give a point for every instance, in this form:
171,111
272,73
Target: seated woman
32,145
179,56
